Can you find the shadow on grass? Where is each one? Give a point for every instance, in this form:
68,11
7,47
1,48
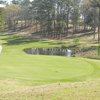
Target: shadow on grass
54,43
18,41
83,34
12,39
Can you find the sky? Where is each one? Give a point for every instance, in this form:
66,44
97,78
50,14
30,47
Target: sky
11,0
8,0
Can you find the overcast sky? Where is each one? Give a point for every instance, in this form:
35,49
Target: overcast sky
8,0
11,0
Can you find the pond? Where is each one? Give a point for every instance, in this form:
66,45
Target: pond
48,51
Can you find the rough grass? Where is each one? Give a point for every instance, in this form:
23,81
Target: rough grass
88,90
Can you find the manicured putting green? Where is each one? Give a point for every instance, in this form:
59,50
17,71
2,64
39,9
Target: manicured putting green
43,68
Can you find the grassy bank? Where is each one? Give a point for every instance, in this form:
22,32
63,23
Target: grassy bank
19,72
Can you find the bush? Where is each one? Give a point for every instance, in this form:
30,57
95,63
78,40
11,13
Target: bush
76,41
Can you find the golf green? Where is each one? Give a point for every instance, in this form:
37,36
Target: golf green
44,68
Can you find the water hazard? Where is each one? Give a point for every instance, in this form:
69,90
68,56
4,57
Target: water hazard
48,51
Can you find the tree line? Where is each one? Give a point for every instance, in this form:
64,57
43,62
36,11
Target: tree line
53,18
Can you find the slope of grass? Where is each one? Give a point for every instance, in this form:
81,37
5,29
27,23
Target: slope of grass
16,65
19,70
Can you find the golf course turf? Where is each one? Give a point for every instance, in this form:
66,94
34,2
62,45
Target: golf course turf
16,65
44,68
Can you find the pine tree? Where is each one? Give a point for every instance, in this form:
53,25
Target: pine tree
96,4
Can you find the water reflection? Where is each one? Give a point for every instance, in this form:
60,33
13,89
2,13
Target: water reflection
47,51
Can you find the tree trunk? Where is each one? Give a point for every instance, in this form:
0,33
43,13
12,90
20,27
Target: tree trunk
99,34
67,22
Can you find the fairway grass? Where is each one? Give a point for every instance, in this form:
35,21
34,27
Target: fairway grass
22,71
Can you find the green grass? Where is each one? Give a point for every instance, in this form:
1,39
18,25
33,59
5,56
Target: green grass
16,66
44,68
